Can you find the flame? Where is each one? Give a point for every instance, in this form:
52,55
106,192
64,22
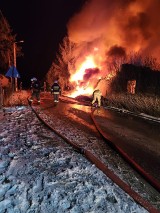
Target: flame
88,63
83,88
110,76
131,25
81,91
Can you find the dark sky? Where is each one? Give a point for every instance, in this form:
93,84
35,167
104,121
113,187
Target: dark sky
42,26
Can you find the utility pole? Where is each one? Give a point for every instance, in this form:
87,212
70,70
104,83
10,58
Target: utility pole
15,60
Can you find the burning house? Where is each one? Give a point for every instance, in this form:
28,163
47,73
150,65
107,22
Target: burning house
106,33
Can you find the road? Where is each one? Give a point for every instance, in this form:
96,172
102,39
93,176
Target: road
139,138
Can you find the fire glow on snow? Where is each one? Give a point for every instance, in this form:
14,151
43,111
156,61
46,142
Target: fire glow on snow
40,173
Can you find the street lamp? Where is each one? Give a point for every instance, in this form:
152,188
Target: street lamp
14,59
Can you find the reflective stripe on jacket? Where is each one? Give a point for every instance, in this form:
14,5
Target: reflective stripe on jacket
56,89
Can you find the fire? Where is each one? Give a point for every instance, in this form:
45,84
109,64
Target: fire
82,91
115,29
88,63
83,87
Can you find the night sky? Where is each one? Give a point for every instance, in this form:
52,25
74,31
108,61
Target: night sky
42,26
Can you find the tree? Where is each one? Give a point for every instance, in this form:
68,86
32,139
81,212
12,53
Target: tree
64,62
6,44
115,62
137,59
151,62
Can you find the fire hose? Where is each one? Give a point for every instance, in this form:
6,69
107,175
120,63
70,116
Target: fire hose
100,165
148,177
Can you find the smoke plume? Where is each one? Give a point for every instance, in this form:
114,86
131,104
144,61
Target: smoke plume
117,27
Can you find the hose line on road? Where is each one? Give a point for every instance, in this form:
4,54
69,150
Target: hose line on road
100,165
148,177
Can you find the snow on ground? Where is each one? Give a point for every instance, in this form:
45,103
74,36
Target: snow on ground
40,173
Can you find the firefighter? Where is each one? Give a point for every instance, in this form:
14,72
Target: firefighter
97,97
36,89
56,91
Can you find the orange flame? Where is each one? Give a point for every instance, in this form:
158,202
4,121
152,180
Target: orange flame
130,25
88,63
77,77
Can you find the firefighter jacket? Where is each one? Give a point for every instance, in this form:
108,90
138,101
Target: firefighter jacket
97,93
56,89
35,86
97,97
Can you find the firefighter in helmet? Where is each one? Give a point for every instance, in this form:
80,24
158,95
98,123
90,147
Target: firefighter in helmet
36,89
97,97
56,91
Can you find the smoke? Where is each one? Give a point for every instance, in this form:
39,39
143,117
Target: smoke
117,27
116,51
89,73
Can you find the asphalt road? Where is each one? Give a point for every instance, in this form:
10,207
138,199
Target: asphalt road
139,138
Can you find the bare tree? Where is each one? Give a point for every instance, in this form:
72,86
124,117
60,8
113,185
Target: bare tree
64,62
137,59
6,44
151,62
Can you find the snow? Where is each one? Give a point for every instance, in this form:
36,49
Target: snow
40,173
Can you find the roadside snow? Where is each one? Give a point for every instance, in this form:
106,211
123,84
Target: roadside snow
40,173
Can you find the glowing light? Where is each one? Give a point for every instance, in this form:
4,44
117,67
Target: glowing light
110,76
89,63
82,88
96,49
81,91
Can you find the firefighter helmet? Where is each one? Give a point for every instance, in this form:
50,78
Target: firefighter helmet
34,79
